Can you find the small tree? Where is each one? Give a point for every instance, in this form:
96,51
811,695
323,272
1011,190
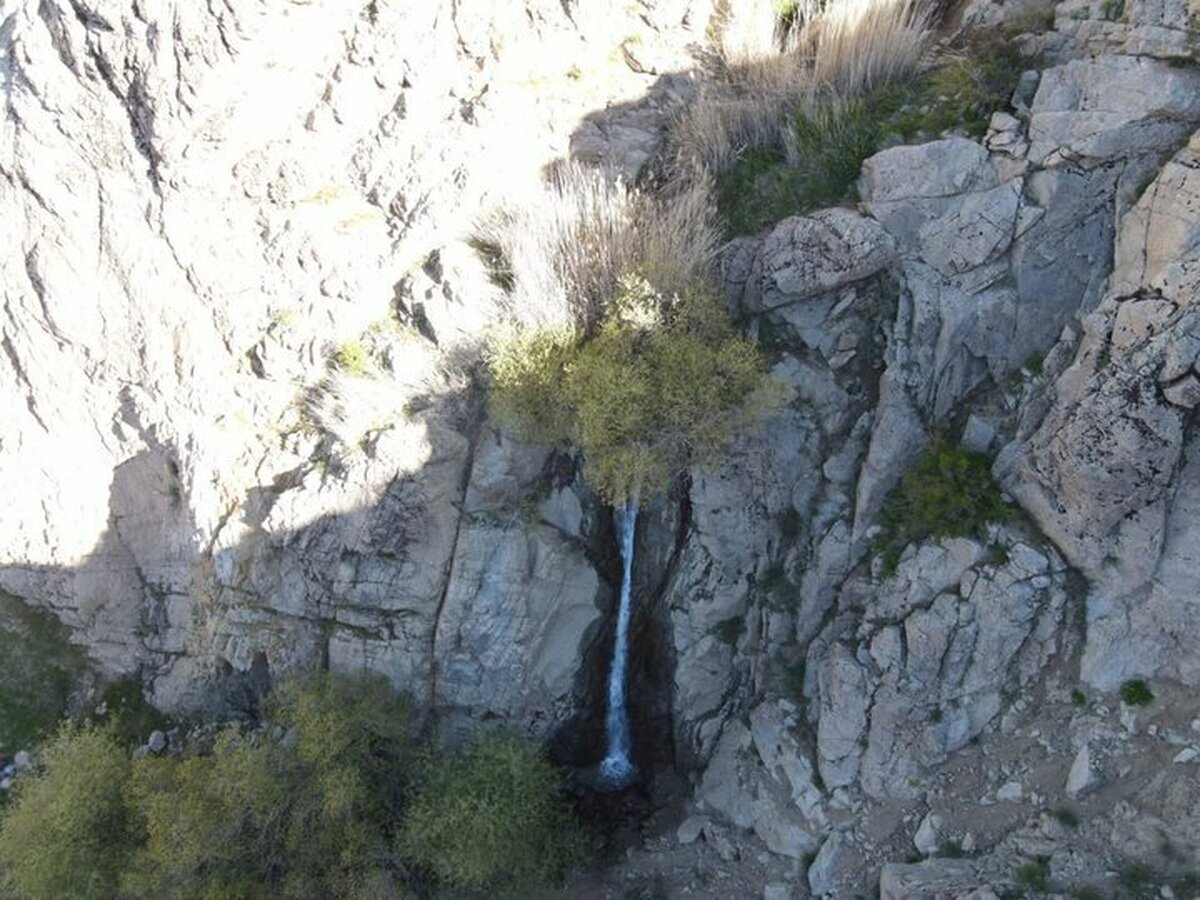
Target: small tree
665,381
490,817
68,833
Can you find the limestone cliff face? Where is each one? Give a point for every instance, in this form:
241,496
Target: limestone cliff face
201,204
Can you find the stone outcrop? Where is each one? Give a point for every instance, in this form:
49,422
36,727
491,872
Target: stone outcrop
202,209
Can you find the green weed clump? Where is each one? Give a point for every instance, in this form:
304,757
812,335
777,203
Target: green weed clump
1136,692
38,668
489,817
344,804
664,382
948,492
830,143
830,137
352,358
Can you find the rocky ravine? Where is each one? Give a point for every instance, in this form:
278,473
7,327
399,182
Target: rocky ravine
205,208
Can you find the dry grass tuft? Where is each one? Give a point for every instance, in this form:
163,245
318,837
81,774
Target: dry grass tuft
774,58
566,247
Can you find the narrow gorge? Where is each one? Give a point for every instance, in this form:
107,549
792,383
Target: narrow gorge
770,424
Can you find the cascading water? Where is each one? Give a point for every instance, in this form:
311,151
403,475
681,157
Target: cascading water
617,769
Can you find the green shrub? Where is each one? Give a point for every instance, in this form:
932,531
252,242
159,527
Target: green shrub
215,825
311,816
948,492
966,87
1136,692
128,715
1034,874
352,358
490,817
729,630
832,137
663,383
38,668
68,833
831,141
1135,876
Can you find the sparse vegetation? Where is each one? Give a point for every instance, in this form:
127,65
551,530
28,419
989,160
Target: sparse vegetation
729,630
352,358
1136,876
949,491
1066,816
1078,698
817,160
1136,692
1034,874
334,798
38,668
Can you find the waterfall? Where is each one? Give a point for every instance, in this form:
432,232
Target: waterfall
617,769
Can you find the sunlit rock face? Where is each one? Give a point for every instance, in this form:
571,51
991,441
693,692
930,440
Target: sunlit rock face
202,206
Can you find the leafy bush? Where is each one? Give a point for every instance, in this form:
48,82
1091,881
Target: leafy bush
215,825
490,817
68,833
312,805
663,382
948,492
1136,692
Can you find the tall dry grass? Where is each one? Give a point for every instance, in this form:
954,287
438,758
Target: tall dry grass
566,247
769,64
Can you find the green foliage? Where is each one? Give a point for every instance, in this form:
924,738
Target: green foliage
831,142
489,817
832,137
128,715
352,358
1067,816
310,815
729,630
969,84
1136,692
215,825
311,805
1136,876
68,833
528,372
1034,874
663,383
1078,698
1112,10
38,668
948,492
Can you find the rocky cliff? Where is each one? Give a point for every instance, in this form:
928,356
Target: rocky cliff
245,432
